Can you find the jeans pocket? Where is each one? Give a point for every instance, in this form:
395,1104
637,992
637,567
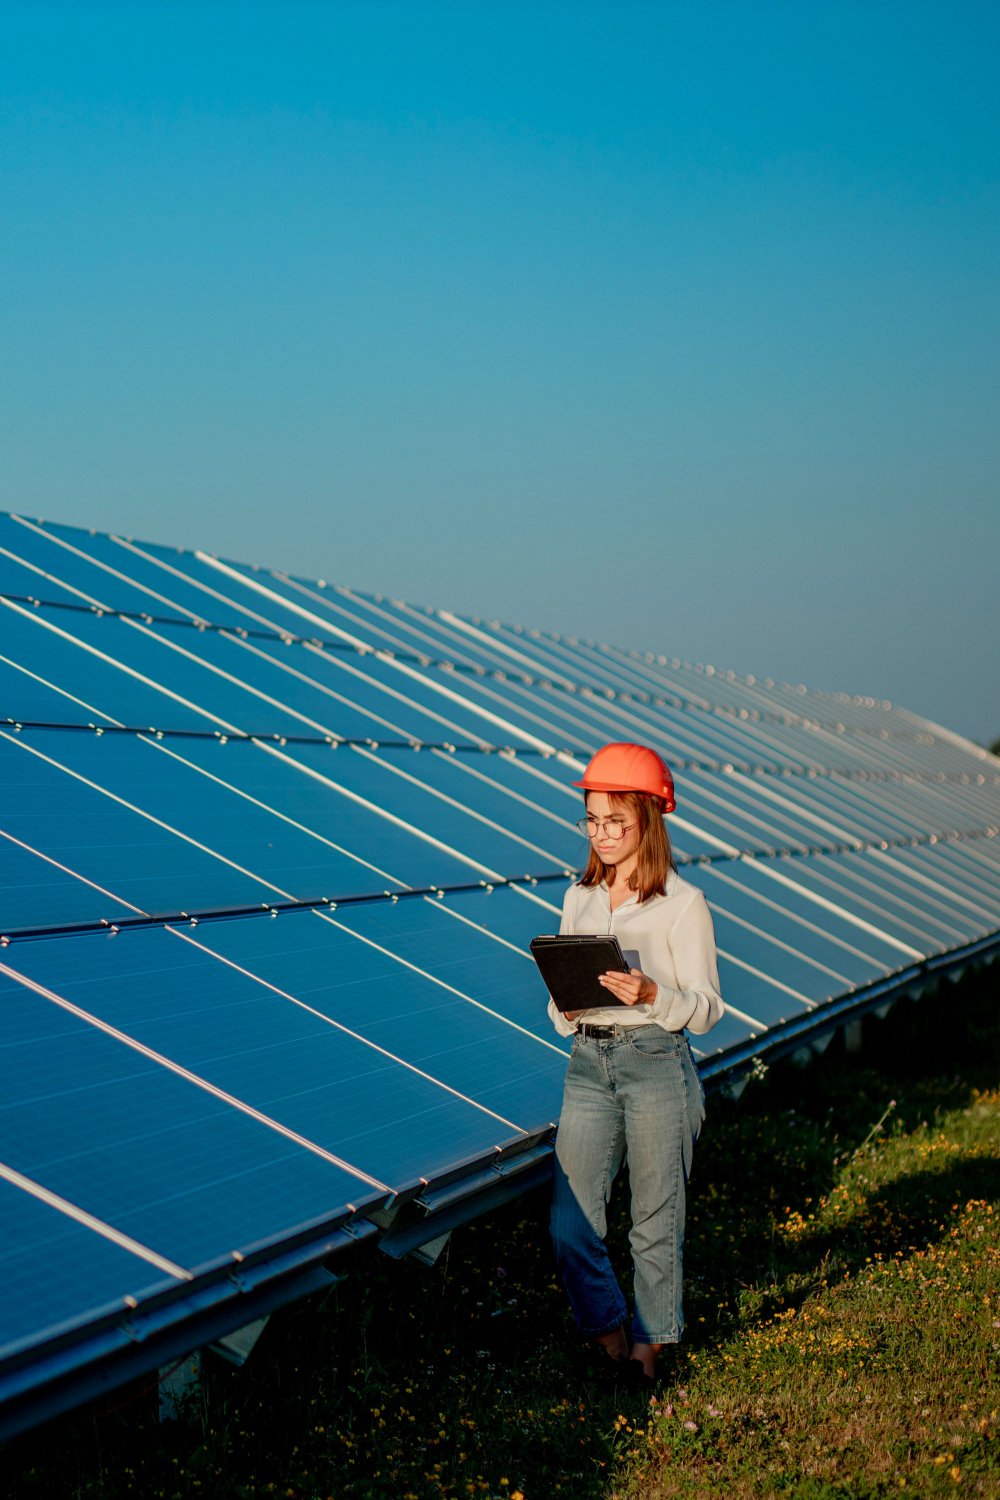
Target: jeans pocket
654,1041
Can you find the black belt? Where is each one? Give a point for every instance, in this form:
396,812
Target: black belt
610,1033
604,1033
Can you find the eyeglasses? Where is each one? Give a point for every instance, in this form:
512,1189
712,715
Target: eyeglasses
614,828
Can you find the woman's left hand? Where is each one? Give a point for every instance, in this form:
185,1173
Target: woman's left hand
633,988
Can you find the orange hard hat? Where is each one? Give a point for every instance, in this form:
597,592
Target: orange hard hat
630,768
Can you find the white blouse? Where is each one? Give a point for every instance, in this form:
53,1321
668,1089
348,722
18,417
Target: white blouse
670,938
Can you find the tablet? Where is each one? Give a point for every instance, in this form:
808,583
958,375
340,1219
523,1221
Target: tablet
570,966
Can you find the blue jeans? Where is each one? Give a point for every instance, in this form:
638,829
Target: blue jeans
636,1094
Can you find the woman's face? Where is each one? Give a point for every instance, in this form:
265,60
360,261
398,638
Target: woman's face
602,806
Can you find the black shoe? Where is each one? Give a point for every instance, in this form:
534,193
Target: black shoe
606,1372
634,1378
621,1375
612,1374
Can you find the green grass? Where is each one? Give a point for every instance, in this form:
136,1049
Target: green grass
843,1256
864,1367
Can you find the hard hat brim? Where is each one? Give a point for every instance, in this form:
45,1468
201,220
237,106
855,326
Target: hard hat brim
667,803
615,786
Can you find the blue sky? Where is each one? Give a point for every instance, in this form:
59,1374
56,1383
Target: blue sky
674,325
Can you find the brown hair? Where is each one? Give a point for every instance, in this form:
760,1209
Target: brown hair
655,860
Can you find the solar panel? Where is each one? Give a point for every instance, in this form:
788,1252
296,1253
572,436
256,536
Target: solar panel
273,852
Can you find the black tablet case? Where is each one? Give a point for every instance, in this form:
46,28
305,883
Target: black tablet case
570,966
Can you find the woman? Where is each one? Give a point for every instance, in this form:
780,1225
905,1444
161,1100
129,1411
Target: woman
631,1087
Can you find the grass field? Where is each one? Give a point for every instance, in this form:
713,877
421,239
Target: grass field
843,1263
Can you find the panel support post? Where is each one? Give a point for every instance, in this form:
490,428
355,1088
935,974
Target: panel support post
853,1032
179,1385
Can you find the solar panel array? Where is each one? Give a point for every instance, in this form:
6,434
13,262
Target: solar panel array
272,854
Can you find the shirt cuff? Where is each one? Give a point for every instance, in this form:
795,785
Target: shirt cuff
559,1021
665,1002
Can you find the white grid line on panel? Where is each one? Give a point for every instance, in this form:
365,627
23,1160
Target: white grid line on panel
910,875
194,766
769,937
848,916
684,696
595,659
484,713
477,926
678,820
192,618
384,656
193,1078
235,639
74,874
229,786
406,668
337,662
49,577
466,769
593,713
426,974
428,838
329,692
529,895
427,618
732,818
562,758
840,887
256,587
580,703
183,760
80,702
986,868
657,673
346,1030
586,707
321,838
255,584
275,812
96,562
176,932
231,677
442,906
756,1026
792,916
158,687
90,1221
890,891
491,645
632,659
204,588
204,848
792,808
470,812
805,892
741,963
827,871
822,901
499,646
150,817
355,642
394,637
